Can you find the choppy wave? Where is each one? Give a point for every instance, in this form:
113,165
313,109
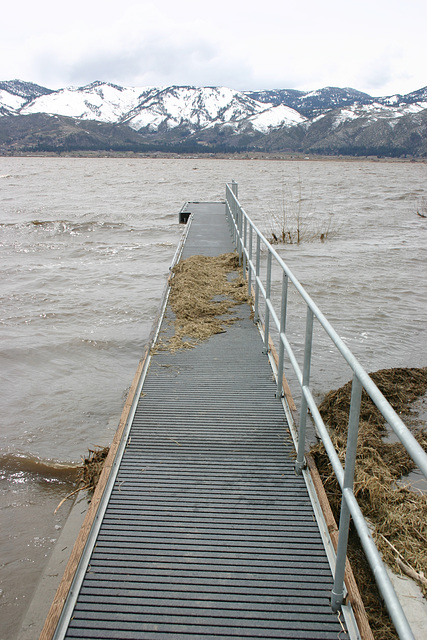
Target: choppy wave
36,229
67,226
63,227
35,468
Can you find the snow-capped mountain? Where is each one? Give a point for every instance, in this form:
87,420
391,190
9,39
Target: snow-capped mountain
200,107
377,111
313,103
150,107
15,94
98,101
275,117
410,98
331,119
155,108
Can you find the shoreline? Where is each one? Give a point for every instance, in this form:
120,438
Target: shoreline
244,155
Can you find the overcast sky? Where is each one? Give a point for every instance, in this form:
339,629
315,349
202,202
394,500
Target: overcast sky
376,46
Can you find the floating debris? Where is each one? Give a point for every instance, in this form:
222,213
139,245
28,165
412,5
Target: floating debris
91,468
88,473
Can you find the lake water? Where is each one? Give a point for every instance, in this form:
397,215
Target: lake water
85,249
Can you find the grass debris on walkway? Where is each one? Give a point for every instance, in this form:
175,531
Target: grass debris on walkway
204,292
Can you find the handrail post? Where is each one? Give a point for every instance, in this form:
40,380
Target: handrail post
234,189
350,463
267,308
245,243
250,261
236,223
300,461
257,272
284,306
236,210
230,210
240,227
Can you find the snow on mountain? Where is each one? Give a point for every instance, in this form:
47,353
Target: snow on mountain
275,117
14,94
313,103
420,95
377,111
201,110
10,101
289,97
392,100
97,101
26,90
155,107
193,107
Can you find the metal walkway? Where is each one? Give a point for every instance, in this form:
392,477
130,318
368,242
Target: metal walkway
208,532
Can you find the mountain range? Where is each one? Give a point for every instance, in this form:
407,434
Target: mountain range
104,117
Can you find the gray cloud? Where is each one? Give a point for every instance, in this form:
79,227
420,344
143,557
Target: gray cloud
277,46
155,61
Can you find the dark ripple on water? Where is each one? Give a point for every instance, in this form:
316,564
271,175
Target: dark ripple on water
20,467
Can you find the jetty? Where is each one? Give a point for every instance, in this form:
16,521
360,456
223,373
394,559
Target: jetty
209,520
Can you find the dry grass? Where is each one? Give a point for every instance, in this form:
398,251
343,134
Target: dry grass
398,515
204,292
91,468
88,473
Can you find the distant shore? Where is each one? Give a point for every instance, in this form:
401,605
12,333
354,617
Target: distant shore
246,155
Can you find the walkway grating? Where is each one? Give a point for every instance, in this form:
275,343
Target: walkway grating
208,532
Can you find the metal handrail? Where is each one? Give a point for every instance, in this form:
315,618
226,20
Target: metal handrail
245,234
